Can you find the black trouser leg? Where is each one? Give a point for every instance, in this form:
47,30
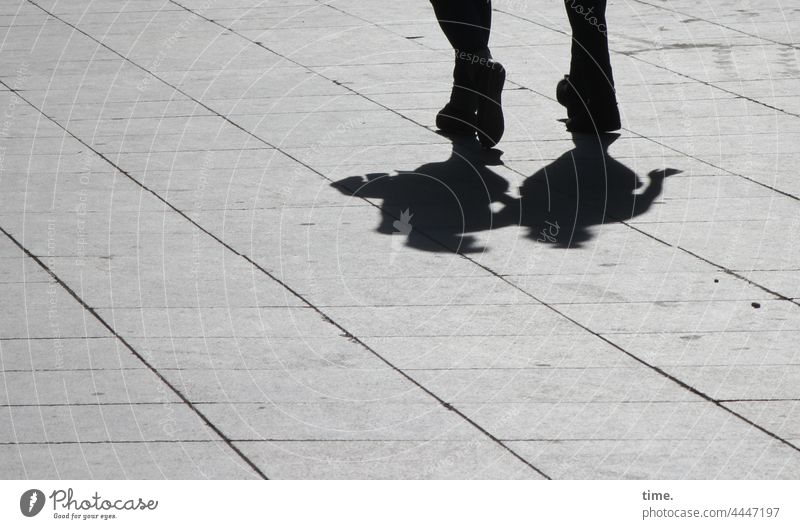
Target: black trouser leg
590,67
467,25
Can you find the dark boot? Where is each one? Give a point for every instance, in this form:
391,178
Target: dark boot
475,104
490,77
459,115
588,91
474,100
588,111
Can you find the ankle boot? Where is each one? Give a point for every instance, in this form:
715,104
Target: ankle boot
458,115
588,111
490,77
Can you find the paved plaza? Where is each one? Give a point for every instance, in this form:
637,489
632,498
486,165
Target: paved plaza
233,245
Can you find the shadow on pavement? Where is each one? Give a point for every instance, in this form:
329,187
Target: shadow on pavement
439,205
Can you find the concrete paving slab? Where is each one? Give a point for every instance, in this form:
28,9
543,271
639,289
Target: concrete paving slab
474,459
633,287
16,273
501,352
688,420
781,282
158,281
288,322
462,320
62,318
244,353
392,259
770,253
411,291
769,382
733,348
373,383
720,209
342,421
609,248
780,416
144,460
679,459
93,423
65,354
686,317
93,386
557,385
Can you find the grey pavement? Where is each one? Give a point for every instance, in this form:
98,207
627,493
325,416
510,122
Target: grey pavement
232,246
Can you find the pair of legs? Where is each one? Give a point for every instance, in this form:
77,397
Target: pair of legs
587,92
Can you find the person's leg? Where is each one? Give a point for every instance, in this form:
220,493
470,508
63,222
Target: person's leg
590,76
590,66
467,26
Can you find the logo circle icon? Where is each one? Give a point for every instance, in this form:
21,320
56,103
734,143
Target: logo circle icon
31,502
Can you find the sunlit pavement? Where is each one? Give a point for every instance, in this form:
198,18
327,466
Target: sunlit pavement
185,294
